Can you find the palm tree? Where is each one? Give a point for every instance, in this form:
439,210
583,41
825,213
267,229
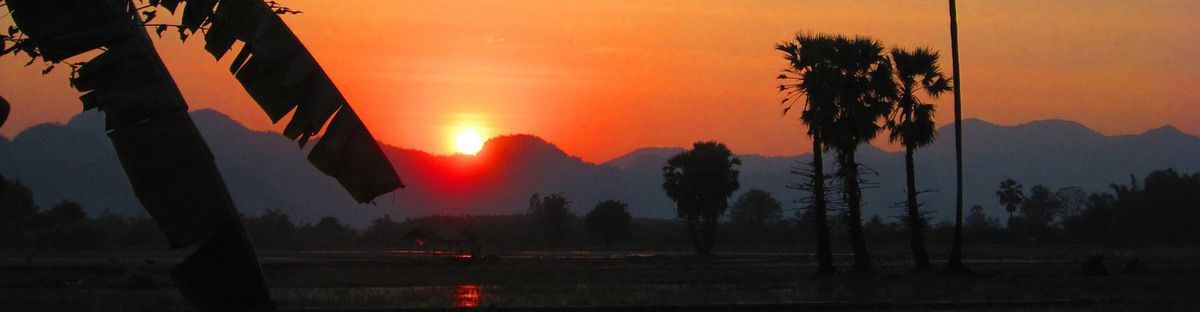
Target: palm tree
1011,195
808,77
700,181
864,91
955,265
912,125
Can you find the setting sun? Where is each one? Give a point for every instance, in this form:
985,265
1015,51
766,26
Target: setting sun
468,141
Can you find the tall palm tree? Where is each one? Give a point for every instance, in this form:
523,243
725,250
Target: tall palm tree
808,77
912,125
955,265
863,90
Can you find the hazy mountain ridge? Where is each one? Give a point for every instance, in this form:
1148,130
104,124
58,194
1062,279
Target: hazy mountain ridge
264,170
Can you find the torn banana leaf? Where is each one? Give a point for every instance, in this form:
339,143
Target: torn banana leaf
174,176
3,111
223,275
65,28
282,76
349,153
168,164
195,12
127,84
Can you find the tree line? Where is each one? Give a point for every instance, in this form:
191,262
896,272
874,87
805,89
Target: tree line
1160,208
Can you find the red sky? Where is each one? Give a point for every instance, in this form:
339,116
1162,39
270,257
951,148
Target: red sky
600,78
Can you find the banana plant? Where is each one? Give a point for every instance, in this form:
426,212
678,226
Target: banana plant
168,163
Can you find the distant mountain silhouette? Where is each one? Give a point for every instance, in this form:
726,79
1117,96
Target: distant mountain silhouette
76,162
264,170
642,157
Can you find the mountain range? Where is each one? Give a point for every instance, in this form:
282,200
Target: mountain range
76,162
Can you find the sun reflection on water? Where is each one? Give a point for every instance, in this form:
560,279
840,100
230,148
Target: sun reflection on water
467,296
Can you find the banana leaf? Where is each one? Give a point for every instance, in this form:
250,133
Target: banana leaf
3,111
65,28
282,76
169,166
223,275
195,12
174,176
351,155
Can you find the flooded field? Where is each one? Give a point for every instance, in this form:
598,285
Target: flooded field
1048,278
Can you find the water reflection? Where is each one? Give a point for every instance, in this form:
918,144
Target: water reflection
467,296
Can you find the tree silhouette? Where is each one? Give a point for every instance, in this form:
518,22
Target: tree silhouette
16,205
1095,222
1011,195
1073,199
272,228
954,265
862,89
18,214
979,221
384,232
700,181
65,212
328,232
608,222
552,216
1038,212
169,165
808,76
755,209
912,125
1166,207
1171,203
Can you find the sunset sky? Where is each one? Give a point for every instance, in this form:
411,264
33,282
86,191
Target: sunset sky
601,78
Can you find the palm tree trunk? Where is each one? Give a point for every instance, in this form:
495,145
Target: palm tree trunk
709,233
916,226
853,192
955,264
824,252
692,232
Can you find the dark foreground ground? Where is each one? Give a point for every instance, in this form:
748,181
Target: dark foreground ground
1011,278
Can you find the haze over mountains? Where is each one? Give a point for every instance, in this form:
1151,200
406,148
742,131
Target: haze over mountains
264,170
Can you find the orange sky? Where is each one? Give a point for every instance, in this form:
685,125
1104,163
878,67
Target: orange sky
600,78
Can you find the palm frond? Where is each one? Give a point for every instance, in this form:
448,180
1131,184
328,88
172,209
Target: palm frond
916,71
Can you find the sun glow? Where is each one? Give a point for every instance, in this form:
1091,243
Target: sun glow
468,141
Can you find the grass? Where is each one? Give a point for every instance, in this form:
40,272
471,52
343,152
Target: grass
1013,277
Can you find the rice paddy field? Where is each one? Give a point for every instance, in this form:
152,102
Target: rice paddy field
1047,278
